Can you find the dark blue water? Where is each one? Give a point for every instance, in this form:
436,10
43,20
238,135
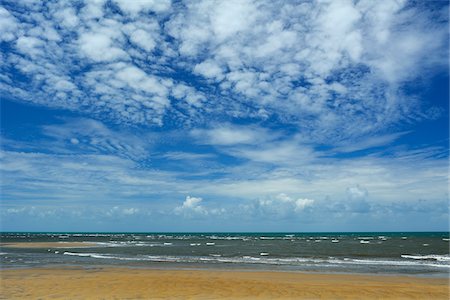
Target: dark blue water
375,252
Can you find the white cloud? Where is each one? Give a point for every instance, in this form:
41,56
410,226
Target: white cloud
143,40
187,156
191,96
143,33
340,36
257,144
29,45
139,80
100,47
115,212
15,210
328,73
346,186
136,6
321,67
93,9
226,135
231,17
8,25
67,17
80,178
298,204
357,192
370,142
281,206
284,153
406,176
191,206
94,137
209,69
130,211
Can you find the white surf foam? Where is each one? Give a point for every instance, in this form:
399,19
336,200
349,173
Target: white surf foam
435,261
94,255
428,257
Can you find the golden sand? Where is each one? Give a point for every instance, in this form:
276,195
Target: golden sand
127,283
47,245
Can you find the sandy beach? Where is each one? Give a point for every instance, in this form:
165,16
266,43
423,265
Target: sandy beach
127,283
47,245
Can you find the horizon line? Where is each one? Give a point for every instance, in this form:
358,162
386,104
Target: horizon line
197,232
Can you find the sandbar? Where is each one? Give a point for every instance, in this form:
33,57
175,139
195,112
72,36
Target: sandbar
129,283
47,245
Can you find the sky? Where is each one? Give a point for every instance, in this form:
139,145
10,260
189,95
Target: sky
227,116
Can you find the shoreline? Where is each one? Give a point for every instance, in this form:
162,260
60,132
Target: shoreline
172,267
130,282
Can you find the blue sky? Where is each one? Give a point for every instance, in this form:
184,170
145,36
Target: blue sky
224,115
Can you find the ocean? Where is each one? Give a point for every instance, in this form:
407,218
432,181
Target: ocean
412,253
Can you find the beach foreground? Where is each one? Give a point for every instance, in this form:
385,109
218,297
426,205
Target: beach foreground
127,283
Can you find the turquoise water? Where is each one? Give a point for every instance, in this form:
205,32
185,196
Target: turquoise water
412,253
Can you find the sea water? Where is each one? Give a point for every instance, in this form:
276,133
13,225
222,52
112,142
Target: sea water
419,253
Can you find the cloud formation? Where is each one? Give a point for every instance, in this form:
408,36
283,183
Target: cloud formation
281,206
192,208
318,66
286,111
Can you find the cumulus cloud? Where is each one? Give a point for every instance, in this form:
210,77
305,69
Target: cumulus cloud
117,211
191,206
280,206
298,204
208,69
357,192
357,200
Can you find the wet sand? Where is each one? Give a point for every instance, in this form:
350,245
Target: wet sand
47,245
128,283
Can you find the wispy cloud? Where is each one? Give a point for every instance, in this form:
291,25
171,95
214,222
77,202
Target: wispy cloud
229,135
104,173
370,142
91,136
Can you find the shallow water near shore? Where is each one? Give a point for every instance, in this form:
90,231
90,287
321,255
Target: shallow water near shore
424,254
